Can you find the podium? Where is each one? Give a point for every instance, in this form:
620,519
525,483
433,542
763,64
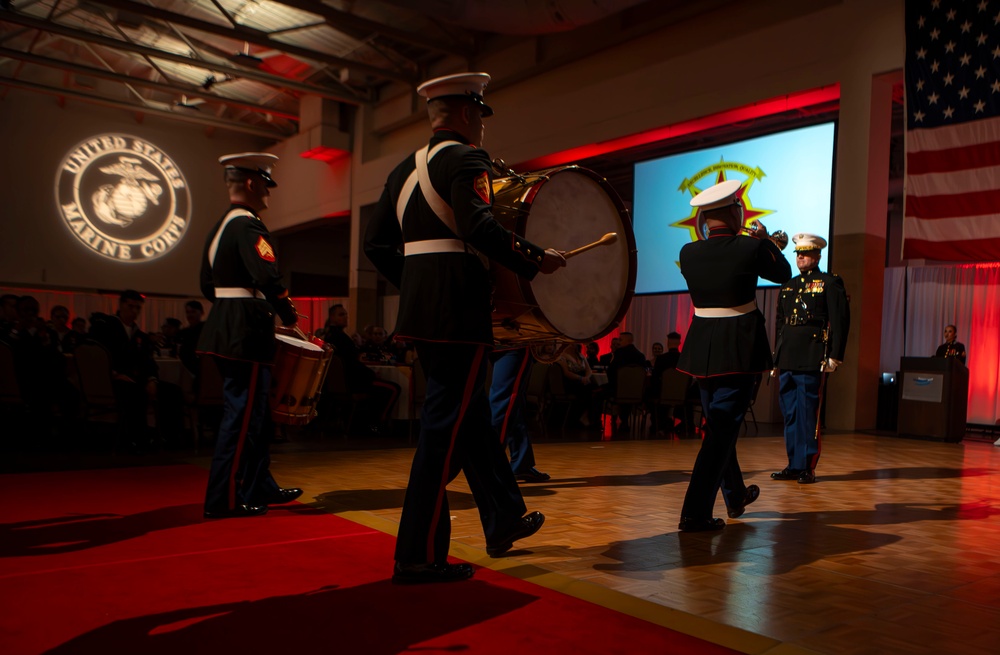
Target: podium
933,398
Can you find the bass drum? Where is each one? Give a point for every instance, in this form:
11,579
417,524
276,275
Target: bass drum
563,208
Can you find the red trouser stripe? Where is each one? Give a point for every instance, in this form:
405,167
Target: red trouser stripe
470,384
513,397
244,428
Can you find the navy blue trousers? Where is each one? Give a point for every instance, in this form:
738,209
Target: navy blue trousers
455,435
240,472
799,399
724,400
511,369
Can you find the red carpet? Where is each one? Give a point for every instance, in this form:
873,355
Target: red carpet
121,561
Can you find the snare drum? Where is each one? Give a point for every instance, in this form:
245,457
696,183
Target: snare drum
564,208
297,379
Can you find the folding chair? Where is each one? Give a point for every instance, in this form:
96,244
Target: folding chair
629,389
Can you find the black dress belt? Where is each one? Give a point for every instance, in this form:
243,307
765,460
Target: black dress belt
801,320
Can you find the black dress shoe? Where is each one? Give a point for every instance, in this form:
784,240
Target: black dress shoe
236,512
526,527
807,477
736,511
786,474
700,525
532,475
282,496
427,573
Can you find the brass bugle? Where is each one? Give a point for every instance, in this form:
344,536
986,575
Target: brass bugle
778,237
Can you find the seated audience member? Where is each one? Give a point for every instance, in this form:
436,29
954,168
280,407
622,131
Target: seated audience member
625,355
133,368
666,361
360,378
374,348
8,314
169,395
951,347
592,354
578,381
605,359
404,352
655,351
39,367
64,338
187,338
166,341
320,333
79,327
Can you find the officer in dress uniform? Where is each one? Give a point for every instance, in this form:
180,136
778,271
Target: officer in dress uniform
813,320
240,277
951,347
726,346
430,227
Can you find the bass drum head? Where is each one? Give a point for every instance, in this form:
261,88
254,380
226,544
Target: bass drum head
586,299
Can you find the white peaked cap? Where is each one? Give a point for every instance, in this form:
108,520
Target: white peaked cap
261,163
466,85
805,241
720,195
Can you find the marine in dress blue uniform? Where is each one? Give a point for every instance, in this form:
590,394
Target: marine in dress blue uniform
511,370
726,346
430,227
951,347
239,275
813,321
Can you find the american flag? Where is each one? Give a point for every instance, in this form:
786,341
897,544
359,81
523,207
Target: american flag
952,206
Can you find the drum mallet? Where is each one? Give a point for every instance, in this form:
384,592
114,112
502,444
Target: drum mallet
606,240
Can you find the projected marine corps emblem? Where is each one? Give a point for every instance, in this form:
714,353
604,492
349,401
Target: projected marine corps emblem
123,198
717,173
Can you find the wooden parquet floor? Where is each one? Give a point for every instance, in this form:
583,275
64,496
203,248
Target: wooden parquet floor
895,550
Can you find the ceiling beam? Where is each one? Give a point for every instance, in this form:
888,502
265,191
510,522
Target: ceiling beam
108,42
255,36
192,91
341,19
186,117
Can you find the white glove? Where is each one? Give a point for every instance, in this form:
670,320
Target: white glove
830,365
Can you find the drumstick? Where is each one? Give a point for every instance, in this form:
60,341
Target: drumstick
606,240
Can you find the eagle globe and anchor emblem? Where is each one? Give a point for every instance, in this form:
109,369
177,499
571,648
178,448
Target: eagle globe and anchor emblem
695,222
123,198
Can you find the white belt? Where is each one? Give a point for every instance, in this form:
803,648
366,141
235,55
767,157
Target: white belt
432,246
725,312
237,292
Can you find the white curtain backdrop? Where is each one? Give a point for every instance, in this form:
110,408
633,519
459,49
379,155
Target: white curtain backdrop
921,301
